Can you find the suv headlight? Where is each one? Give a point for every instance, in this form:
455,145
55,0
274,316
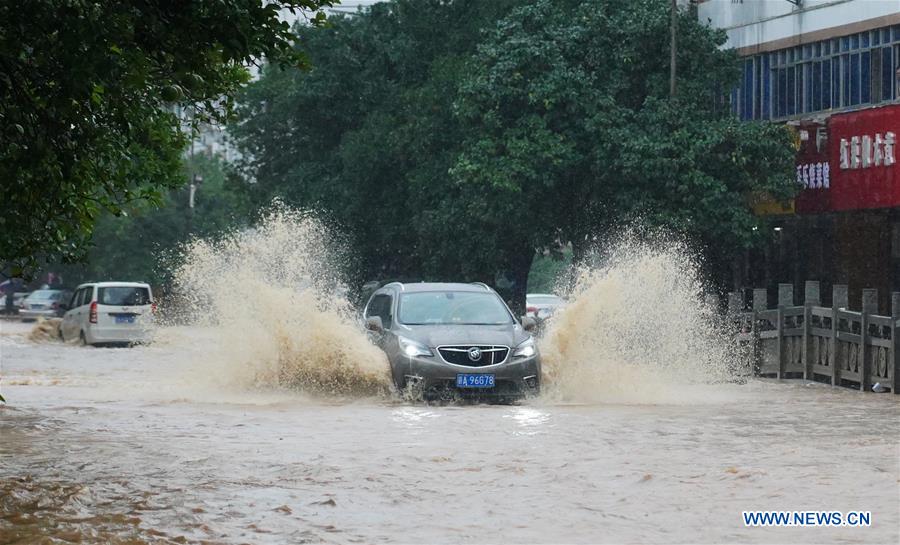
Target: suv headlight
526,349
412,348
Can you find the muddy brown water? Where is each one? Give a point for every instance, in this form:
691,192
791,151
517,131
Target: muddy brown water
129,446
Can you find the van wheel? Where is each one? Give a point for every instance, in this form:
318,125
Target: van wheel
82,339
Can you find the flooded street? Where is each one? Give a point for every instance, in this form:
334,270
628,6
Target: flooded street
449,272
129,446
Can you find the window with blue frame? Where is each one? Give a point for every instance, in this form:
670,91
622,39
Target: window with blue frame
845,80
841,72
815,90
791,91
853,79
865,77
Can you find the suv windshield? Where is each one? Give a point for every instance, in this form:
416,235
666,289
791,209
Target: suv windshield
124,296
452,308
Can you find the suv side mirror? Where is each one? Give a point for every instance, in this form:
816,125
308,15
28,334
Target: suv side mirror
528,323
373,323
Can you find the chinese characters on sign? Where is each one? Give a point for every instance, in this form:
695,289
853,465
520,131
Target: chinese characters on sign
864,151
814,175
852,162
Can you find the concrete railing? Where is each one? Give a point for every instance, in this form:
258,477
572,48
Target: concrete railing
849,348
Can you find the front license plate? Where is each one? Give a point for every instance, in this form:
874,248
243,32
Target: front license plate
124,319
481,380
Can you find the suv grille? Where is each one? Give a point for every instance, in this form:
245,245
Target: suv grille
459,354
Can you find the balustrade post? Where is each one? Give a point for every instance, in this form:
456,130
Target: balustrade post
839,300
780,346
760,303
894,361
811,298
869,306
869,301
785,295
811,293
785,299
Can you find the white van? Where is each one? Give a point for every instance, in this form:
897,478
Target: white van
109,312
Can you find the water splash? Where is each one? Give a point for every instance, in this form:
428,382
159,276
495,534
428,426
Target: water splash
45,330
276,310
636,330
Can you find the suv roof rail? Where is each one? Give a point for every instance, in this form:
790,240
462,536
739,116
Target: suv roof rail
392,283
482,284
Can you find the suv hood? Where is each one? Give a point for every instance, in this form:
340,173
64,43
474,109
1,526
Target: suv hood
510,335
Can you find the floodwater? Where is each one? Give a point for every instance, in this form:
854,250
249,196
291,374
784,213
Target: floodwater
133,446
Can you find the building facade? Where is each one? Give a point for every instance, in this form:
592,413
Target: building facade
831,70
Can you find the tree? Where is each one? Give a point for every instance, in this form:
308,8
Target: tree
453,140
141,243
89,95
570,121
367,136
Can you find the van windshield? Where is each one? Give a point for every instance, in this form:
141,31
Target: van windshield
123,296
452,308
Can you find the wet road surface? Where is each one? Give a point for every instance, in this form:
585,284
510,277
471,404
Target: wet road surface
133,446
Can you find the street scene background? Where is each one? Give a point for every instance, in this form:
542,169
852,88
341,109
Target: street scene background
707,191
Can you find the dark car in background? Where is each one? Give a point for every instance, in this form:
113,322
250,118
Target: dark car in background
453,340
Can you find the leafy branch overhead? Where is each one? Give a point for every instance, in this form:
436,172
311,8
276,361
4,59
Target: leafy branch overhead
90,93
453,139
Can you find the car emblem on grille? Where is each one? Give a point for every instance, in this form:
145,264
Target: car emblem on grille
474,353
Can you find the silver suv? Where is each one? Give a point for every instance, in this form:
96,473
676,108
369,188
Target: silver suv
447,340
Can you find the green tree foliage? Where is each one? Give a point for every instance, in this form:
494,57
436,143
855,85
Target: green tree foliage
454,139
88,90
139,243
569,116
367,137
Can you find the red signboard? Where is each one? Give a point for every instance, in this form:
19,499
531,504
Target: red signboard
814,171
852,163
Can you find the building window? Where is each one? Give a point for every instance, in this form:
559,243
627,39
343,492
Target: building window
886,73
843,72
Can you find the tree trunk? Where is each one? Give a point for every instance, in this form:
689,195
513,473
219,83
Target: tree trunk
673,26
521,266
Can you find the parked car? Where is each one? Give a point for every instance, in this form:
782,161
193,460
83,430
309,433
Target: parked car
542,305
446,340
18,297
45,303
109,313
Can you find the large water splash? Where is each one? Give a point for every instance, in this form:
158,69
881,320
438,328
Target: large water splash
276,308
636,330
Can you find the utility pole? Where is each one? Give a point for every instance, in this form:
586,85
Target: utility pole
673,25
192,186
196,179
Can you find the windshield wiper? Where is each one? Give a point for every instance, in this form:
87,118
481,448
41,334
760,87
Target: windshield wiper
485,323
454,323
